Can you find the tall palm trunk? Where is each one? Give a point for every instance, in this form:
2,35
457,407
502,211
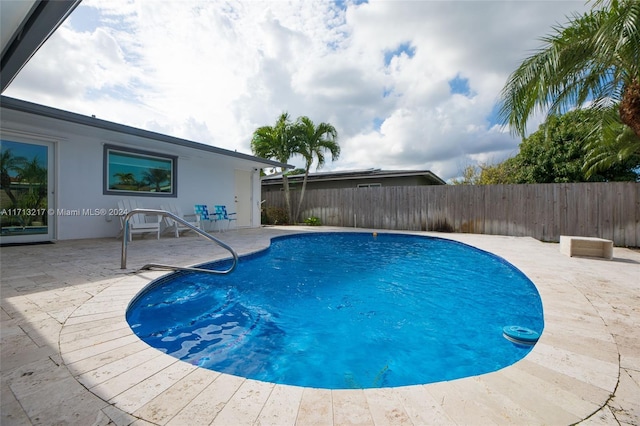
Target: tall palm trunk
304,187
630,106
287,197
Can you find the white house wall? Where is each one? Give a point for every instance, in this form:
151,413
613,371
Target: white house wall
203,177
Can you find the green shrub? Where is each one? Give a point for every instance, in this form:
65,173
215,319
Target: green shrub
274,216
312,221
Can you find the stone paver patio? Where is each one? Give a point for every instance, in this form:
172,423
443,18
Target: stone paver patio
69,357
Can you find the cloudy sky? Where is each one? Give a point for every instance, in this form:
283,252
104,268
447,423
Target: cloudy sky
407,84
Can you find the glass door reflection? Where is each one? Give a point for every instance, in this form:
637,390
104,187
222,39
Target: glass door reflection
25,196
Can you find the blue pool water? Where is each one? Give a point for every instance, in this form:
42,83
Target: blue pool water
344,310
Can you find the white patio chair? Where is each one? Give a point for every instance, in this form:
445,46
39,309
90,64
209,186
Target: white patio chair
138,223
177,227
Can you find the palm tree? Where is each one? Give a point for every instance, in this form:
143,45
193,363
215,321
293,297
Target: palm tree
155,178
617,146
126,179
595,59
33,174
279,143
313,142
9,163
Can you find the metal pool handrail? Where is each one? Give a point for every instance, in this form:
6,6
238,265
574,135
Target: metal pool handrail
125,241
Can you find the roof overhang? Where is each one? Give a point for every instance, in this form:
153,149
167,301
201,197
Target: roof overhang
354,175
25,25
58,118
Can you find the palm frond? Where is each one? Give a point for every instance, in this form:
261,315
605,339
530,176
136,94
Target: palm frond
609,143
570,69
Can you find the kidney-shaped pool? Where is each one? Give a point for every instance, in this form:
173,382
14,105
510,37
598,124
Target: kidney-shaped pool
345,310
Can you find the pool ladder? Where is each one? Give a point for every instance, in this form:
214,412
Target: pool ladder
164,213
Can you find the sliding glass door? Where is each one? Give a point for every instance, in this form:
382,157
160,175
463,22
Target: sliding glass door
26,191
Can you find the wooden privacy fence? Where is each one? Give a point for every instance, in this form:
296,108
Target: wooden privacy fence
542,211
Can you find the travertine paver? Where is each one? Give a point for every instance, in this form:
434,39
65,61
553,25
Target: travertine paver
550,394
528,400
168,404
350,407
95,352
245,405
386,407
91,372
69,357
462,404
316,407
135,376
282,406
208,404
497,407
422,407
145,391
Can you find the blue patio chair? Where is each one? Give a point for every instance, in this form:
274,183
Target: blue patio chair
221,214
202,216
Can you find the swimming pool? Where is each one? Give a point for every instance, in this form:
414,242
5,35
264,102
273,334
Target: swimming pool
345,310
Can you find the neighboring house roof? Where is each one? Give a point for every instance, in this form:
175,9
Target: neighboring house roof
96,123
25,25
353,175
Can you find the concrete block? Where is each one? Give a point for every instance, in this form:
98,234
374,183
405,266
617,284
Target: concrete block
586,246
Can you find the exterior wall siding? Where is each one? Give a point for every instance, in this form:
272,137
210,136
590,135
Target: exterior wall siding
542,211
203,177
201,180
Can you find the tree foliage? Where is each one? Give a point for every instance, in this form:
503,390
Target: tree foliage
155,178
555,153
9,163
27,189
302,137
488,174
593,62
277,143
312,142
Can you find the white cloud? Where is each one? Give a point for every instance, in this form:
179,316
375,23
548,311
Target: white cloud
213,72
